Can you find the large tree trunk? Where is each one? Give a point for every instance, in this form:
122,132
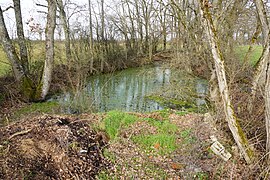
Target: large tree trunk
267,112
10,49
233,124
260,73
263,19
263,72
20,34
48,66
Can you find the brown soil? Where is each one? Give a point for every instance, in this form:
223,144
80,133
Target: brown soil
51,147
66,147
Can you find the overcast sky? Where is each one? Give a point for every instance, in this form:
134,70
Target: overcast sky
29,9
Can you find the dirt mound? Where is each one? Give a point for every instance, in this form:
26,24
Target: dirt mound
51,147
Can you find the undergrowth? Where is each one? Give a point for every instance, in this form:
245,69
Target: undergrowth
115,121
164,140
163,143
152,137
49,107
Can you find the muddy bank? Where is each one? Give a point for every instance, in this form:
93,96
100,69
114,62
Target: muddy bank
51,147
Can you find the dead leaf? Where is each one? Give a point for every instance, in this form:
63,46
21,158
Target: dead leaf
157,146
176,166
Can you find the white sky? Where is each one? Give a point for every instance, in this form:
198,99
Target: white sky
29,9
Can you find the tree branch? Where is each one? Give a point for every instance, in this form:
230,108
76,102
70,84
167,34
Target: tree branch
10,7
41,5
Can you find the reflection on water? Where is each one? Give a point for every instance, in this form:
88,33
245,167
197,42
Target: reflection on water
126,90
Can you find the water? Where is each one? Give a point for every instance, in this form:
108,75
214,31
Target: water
126,90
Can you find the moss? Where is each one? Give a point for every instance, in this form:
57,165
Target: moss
174,103
44,107
244,140
30,91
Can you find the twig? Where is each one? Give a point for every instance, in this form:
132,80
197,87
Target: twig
10,7
41,5
20,133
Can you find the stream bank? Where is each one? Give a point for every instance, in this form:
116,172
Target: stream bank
160,145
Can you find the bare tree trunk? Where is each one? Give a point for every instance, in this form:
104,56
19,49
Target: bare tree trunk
66,29
237,132
263,19
262,71
267,112
10,49
132,31
20,34
164,30
91,40
264,59
140,28
48,66
102,37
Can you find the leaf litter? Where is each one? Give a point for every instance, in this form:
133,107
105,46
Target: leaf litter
68,147
51,147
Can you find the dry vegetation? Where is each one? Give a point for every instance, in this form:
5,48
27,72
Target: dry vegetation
61,147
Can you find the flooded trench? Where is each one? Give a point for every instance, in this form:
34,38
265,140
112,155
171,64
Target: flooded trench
127,90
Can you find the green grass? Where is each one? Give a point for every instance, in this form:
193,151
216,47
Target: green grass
4,66
103,175
255,54
45,107
36,52
107,154
182,113
115,120
201,176
187,137
165,137
166,143
163,127
164,113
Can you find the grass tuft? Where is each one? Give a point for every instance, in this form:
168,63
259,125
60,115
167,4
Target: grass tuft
115,120
164,143
187,137
164,127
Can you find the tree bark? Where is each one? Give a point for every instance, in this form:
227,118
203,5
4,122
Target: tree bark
236,130
10,49
102,37
267,112
48,66
20,34
91,40
263,19
260,72
66,29
140,28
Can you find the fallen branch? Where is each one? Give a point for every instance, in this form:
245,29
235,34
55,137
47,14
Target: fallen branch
20,133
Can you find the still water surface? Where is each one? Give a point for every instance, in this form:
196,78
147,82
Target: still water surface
126,90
